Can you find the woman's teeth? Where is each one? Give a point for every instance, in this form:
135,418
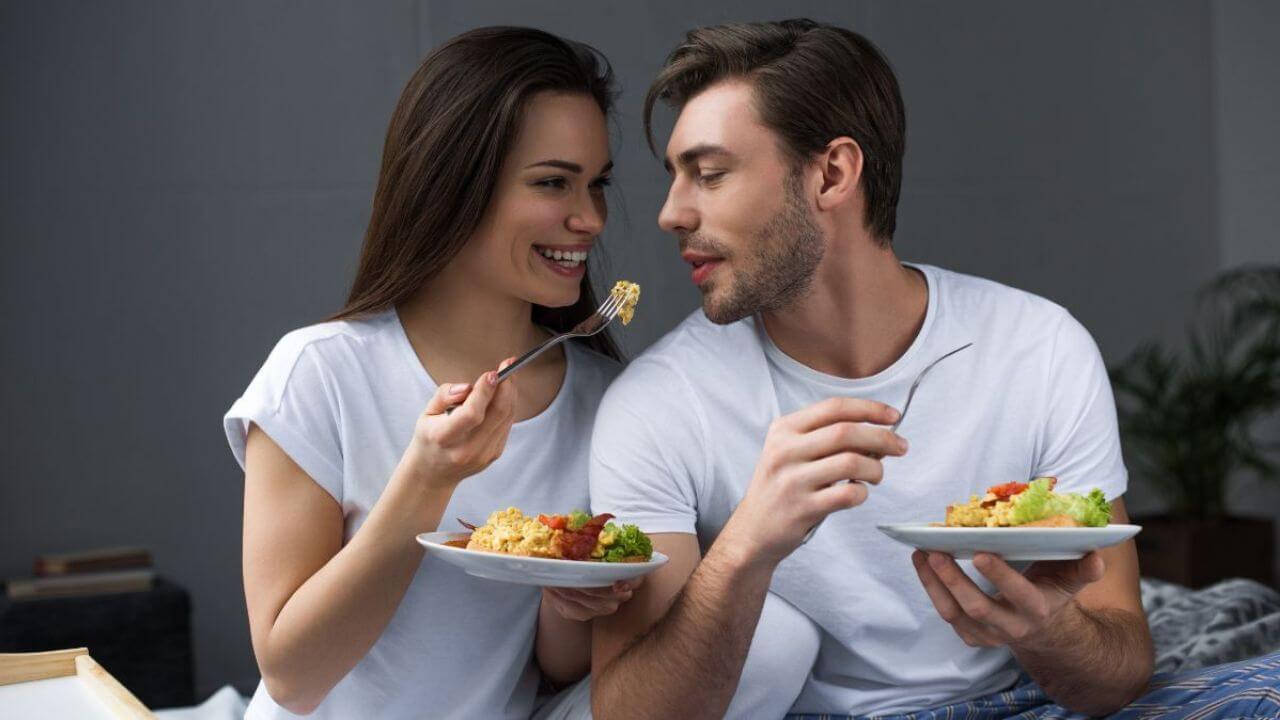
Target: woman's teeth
564,258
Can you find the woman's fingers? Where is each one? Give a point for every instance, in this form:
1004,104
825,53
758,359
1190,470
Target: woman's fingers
575,604
447,396
468,416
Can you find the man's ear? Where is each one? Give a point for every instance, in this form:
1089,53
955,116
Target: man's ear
841,166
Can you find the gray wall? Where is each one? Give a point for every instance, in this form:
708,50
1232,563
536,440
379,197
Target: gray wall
1246,86
180,184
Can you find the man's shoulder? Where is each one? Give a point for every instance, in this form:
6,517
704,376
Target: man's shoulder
692,348
990,304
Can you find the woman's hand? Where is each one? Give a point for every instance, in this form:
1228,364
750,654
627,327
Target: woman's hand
450,446
582,604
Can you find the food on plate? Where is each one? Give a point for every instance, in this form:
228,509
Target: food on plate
576,536
629,294
1032,504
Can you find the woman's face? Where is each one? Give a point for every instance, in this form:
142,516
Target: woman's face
548,205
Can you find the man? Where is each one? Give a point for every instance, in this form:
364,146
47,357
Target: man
727,440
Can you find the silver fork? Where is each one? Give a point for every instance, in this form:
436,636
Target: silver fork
902,416
592,324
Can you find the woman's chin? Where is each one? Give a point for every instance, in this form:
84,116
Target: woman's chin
558,300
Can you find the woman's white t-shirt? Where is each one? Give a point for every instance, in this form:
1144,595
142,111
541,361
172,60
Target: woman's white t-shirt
341,399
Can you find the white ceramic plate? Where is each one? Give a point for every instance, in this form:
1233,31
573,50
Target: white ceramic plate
534,571
1010,543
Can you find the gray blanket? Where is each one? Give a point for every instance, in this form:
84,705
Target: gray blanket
1191,629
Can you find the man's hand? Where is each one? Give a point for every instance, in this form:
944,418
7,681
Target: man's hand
1025,606
805,454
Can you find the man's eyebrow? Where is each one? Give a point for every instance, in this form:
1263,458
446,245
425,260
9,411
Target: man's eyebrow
566,165
695,153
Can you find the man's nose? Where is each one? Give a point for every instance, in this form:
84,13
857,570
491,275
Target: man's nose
677,214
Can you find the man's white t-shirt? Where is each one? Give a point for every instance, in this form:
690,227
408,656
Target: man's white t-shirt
341,399
679,432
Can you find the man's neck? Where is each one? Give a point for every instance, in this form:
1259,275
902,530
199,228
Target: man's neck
862,312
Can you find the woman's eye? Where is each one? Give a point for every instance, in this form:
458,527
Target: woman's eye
556,183
602,183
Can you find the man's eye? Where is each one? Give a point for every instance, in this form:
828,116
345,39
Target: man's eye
710,177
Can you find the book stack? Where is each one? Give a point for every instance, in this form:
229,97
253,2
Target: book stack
90,572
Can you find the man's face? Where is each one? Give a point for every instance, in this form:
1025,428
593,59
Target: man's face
738,207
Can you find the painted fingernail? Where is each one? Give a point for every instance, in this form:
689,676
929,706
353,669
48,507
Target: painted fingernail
458,389
894,415
492,378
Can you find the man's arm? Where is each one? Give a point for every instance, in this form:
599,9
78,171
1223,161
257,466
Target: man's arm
677,649
1097,657
1077,627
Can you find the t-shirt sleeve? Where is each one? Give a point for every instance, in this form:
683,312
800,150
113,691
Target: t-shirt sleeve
646,451
292,400
1080,440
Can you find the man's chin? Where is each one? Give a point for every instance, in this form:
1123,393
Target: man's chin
721,313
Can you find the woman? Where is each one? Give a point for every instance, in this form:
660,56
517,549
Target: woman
489,200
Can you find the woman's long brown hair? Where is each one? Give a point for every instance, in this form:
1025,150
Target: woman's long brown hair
455,122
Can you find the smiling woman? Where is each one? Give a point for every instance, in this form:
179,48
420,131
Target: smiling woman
489,204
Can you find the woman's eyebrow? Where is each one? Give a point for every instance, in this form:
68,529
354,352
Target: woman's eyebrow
569,166
560,164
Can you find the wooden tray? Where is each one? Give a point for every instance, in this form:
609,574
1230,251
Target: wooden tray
64,683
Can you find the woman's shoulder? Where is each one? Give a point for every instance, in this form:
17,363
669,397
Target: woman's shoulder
325,346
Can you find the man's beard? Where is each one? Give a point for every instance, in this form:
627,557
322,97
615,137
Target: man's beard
784,256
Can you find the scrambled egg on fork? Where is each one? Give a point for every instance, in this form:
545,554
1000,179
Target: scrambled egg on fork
629,294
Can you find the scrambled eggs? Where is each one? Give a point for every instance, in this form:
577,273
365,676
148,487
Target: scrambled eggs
509,531
629,294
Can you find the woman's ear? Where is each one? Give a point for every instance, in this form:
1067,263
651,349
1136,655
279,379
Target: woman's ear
841,166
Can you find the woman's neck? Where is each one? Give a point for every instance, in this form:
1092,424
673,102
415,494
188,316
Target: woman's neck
460,330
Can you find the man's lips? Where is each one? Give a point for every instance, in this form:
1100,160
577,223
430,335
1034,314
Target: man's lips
703,265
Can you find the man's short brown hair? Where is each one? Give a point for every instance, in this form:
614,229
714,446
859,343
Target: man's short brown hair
812,83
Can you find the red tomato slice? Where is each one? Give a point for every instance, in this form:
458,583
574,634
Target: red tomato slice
555,522
1007,490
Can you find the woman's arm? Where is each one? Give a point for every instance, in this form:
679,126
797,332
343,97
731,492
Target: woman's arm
316,606
563,643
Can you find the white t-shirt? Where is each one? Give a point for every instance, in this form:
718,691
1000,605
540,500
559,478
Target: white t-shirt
341,399
678,435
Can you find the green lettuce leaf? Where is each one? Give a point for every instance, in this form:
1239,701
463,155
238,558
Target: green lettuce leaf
1090,510
1032,504
577,519
626,542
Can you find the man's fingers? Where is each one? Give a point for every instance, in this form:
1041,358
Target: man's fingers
844,409
447,396
973,601
845,466
946,605
970,631
1069,576
839,497
1013,586
846,436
